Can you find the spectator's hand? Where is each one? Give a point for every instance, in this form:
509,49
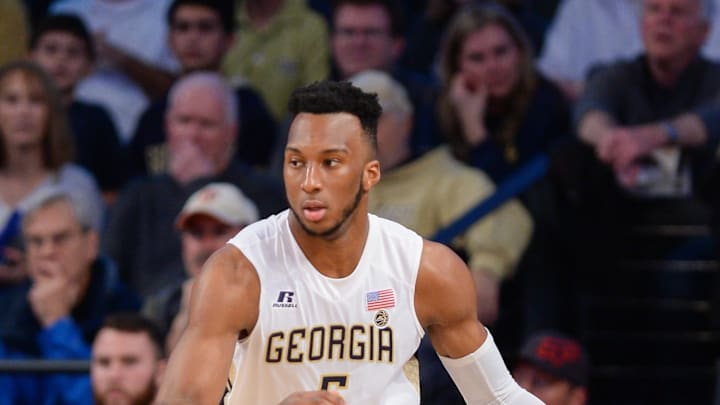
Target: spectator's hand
187,162
470,101
487,288
53,294
12,268
624,147
313,397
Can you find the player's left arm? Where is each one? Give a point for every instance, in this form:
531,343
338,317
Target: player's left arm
446,306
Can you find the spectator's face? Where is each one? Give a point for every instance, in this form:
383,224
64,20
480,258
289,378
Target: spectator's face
201,237
125,368
548,388
57,245
362,39
328,171
23,111
197,124
393,137
489,57
673,29
64,57
197,38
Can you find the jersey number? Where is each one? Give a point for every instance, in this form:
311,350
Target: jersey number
334,381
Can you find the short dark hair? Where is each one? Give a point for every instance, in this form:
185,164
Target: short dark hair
67,23
132,322
225,10
392,7
327,97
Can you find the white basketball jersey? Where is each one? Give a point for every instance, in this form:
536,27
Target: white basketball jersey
357,335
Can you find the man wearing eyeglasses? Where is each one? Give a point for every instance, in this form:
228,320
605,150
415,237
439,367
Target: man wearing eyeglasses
200,34
209,218
370,35
56,314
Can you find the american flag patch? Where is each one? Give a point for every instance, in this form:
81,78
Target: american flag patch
380,299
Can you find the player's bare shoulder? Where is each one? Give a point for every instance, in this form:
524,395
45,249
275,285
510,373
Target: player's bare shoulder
229,284
444,284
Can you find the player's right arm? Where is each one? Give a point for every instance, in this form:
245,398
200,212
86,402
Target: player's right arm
223,305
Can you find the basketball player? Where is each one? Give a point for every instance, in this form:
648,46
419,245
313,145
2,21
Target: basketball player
325,296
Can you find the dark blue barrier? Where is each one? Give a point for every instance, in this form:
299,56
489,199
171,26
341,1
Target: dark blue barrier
516,183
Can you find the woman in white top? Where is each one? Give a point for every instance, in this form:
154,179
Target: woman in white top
35,154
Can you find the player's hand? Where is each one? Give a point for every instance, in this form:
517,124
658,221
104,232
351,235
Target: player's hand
314,398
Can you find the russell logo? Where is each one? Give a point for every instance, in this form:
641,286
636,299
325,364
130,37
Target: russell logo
286,299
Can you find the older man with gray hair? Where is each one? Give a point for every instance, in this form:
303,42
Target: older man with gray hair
640,115
201,125
72,288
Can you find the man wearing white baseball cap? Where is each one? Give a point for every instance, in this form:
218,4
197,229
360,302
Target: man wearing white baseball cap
209,218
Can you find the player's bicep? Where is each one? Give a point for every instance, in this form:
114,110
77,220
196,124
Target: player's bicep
445,302
221,305
225,296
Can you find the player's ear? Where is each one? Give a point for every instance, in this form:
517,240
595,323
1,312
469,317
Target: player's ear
371,175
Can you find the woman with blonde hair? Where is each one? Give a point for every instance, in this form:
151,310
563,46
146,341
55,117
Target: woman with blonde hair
496,110
35,154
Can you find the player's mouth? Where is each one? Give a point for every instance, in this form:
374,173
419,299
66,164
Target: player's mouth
314,211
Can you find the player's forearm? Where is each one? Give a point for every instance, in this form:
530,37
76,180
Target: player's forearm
483,378
194,373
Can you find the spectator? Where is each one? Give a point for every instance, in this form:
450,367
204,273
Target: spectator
134,61
14,30
201,32
425,36
201,126
554,368
35,151
587,33
63,47
280,45
209,218
72,288
640,115
426,193
496,111
369,34
591,33
128,361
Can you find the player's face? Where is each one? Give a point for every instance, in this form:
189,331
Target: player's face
328,171
124,368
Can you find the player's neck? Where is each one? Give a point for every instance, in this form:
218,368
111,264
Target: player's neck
336,257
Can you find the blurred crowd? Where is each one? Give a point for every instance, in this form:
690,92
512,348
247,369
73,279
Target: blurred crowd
138,136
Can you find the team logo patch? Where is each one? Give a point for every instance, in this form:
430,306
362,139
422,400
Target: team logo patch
382,318
285,299
380,299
